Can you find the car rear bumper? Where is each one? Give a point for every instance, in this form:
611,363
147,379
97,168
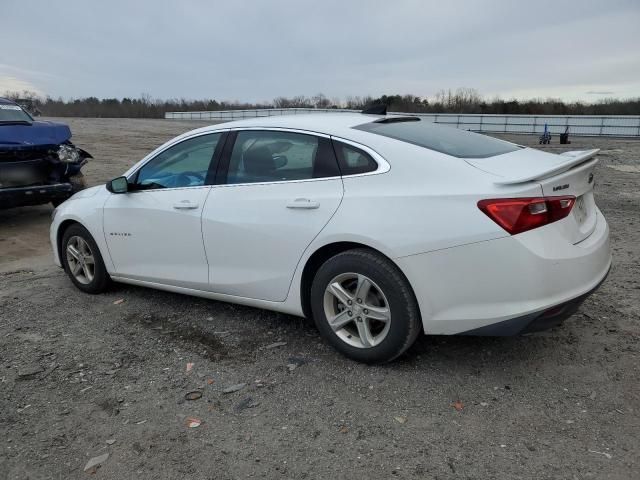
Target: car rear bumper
521,279
534,322
34,195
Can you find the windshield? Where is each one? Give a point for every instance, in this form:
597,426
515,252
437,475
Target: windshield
449,140
13,113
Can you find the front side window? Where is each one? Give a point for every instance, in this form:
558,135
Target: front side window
185,164
270,156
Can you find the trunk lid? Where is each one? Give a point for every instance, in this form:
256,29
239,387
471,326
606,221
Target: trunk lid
570,173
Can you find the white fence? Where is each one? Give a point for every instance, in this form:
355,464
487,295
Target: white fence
586,125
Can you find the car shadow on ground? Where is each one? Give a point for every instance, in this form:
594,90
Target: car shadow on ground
251,328
457,350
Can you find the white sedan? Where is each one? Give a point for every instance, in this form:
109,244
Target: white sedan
377,227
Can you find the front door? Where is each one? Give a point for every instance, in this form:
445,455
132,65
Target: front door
154,232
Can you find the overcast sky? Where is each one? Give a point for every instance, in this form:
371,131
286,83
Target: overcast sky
255,50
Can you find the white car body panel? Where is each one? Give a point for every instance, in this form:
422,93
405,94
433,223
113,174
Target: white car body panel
284,307
155,235
242,244
255,233
570,177
528,164
529,277
85,207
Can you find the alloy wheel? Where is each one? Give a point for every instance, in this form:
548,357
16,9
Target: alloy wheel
80,259
357,310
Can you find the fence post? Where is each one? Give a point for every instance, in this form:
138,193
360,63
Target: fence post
639,126
601,125
505,123
535,124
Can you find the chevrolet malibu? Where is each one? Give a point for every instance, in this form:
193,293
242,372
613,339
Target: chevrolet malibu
378,227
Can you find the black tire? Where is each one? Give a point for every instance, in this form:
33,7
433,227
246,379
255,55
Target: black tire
101,280
405,324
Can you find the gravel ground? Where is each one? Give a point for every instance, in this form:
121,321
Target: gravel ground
83,376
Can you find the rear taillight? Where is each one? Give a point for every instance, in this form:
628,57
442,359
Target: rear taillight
517,215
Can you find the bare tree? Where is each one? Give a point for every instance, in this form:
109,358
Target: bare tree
463,100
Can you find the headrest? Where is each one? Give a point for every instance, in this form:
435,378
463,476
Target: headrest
258,162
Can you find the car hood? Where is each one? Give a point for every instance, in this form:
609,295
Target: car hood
38,133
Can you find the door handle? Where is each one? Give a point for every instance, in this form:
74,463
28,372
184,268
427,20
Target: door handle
185,205
303,203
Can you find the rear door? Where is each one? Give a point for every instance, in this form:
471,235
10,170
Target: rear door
276,191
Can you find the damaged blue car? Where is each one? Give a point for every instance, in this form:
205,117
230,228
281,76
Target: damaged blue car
38,162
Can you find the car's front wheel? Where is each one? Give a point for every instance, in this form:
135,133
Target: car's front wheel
82,260
364,306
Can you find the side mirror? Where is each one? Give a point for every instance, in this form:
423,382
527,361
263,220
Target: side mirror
118,185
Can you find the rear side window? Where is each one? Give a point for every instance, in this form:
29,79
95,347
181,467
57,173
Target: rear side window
443,139
270,156
353,160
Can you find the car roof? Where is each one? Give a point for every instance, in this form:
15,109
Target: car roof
327,123
339,125
6,101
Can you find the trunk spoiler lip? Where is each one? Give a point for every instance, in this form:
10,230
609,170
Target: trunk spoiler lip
575,157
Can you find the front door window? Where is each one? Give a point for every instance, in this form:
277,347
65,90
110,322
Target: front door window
185,164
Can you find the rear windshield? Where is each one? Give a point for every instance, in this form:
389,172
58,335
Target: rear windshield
449,140
13,113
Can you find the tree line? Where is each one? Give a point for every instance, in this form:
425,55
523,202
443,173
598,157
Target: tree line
463,100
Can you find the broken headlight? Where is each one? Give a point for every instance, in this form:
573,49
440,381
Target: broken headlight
68,154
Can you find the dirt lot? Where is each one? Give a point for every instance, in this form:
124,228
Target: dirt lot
81,376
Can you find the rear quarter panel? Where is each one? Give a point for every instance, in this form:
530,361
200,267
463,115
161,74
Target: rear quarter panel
427,201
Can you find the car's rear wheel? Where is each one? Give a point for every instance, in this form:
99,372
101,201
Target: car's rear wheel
364,306
82,260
